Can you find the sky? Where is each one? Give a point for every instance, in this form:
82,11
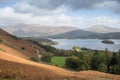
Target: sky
75,13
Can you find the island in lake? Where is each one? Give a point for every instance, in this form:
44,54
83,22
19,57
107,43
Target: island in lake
108,42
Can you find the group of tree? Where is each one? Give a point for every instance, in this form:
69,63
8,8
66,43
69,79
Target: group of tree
85,59
103,61
46,57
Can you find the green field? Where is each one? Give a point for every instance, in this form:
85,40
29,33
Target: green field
58,61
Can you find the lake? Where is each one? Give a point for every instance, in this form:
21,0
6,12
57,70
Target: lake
88,43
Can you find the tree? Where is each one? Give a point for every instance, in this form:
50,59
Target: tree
96,61
83,65
114,69
72,62
46,57
114,64
76,49
102,67
114,59
119,62
119,57
107,56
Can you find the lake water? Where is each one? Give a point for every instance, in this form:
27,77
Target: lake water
88,43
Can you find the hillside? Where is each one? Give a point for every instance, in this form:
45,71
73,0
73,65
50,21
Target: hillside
102,29
14,64
76,34
112,35
32,30
26,48
81,34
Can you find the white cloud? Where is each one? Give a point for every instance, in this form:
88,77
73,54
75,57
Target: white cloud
109,4
8,16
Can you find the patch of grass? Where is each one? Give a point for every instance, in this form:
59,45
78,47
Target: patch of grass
2,50
58,61
7,43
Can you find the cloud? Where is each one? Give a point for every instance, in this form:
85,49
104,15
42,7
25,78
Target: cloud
8,16
46,4
51,5
24,7
54,20
113,5
51,20
53,13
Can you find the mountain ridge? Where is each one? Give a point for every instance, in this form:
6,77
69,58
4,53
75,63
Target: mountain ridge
37,30
31,30
75,34
102,29
81,34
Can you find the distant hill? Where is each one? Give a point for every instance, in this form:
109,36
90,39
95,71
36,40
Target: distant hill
81,34
36,30
76,34
102,29
32,30
112,35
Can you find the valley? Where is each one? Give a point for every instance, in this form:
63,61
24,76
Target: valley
59,39
15,63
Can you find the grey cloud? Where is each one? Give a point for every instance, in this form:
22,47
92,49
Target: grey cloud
46,4
72,4
53,4
78,4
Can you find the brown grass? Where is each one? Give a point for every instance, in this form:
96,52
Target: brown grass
17,43
15,67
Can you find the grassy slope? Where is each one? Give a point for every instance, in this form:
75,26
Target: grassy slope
19,68
17,43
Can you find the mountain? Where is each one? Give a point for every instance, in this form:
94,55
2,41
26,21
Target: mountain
32,30
81,34
112,35
102,29
76,34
